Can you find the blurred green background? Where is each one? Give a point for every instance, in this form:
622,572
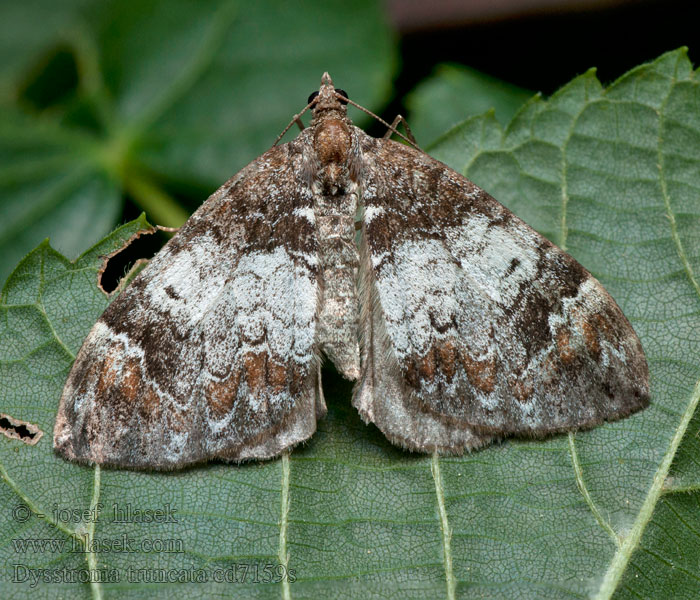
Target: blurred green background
110,108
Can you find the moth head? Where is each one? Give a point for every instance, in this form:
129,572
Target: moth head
327,97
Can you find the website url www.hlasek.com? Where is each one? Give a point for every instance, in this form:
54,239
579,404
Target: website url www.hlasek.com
120,544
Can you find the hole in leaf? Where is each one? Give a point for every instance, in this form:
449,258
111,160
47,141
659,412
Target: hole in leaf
126,262
20,430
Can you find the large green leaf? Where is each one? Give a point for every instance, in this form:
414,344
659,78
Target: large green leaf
611,175
454,92
170,97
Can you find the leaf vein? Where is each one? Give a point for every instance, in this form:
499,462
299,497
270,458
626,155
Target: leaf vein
581,484
444,526
284,521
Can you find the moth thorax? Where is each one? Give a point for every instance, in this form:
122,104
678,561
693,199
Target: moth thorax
332,142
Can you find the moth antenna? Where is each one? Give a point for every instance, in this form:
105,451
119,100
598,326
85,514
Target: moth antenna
391,128
395,123
295,119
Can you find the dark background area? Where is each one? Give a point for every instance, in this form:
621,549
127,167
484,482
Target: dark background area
535,45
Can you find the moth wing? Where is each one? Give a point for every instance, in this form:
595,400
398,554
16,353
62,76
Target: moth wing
475,320
209,351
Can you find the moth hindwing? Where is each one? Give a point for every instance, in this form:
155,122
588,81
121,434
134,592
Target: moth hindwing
459,323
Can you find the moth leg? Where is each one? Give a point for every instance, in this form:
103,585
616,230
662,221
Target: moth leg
167,229
295,119
395,123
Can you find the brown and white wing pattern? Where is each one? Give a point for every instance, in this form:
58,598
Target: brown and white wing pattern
475,325
210,351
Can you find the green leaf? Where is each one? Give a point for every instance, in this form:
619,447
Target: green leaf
170,98
50,185
26,29
609,174
453,93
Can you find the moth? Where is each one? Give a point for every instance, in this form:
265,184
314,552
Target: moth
457,321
